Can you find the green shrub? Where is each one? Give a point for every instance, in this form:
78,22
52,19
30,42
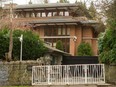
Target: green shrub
59,45
33,47
84,49
107,46
4,43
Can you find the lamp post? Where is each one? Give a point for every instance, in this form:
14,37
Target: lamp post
21,40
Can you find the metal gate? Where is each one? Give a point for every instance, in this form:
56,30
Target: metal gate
68,74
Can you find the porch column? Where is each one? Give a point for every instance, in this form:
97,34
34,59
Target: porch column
72,42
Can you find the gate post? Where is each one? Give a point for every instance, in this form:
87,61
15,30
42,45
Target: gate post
48,74
103,66
85,69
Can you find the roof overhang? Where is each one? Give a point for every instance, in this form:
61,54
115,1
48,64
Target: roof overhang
62,22
51,49
47,6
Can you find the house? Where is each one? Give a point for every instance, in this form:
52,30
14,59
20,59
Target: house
55,21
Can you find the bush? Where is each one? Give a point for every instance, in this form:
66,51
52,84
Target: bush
107,46
4,43
33,47
84,49
59,45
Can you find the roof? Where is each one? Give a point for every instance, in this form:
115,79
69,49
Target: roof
57,50
69,20
48,5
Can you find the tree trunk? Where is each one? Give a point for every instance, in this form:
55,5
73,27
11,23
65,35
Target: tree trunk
10,46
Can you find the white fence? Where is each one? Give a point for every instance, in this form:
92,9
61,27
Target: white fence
68,74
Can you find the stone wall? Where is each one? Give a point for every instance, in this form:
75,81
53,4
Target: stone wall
110,73
16,73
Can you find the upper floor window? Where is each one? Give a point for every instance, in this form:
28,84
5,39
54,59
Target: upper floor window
38,14
59,31
32,15
43,14
49,14
61,13
68,31
56,31
66,13
63,31
27,15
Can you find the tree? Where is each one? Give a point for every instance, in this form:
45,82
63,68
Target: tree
46,1
33,47
63,1
111,15
84,49
4,42
107,46
80,10
59,45
9,54
92,10
107,40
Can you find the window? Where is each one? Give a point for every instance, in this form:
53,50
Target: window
27,14
61,13
56,30
63,31
68,31
32,15
43,14
66,13
38,14
54,44
59,31
49,14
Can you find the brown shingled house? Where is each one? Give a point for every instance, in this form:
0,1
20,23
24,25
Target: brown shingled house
55,22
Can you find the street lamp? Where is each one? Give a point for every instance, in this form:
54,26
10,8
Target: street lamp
21,40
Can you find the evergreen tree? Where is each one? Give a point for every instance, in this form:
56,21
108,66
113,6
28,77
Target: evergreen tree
59,45
46,1
92,10
111,15
84,49
63,1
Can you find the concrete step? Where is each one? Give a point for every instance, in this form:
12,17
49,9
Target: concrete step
105,85
66,86
80,85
